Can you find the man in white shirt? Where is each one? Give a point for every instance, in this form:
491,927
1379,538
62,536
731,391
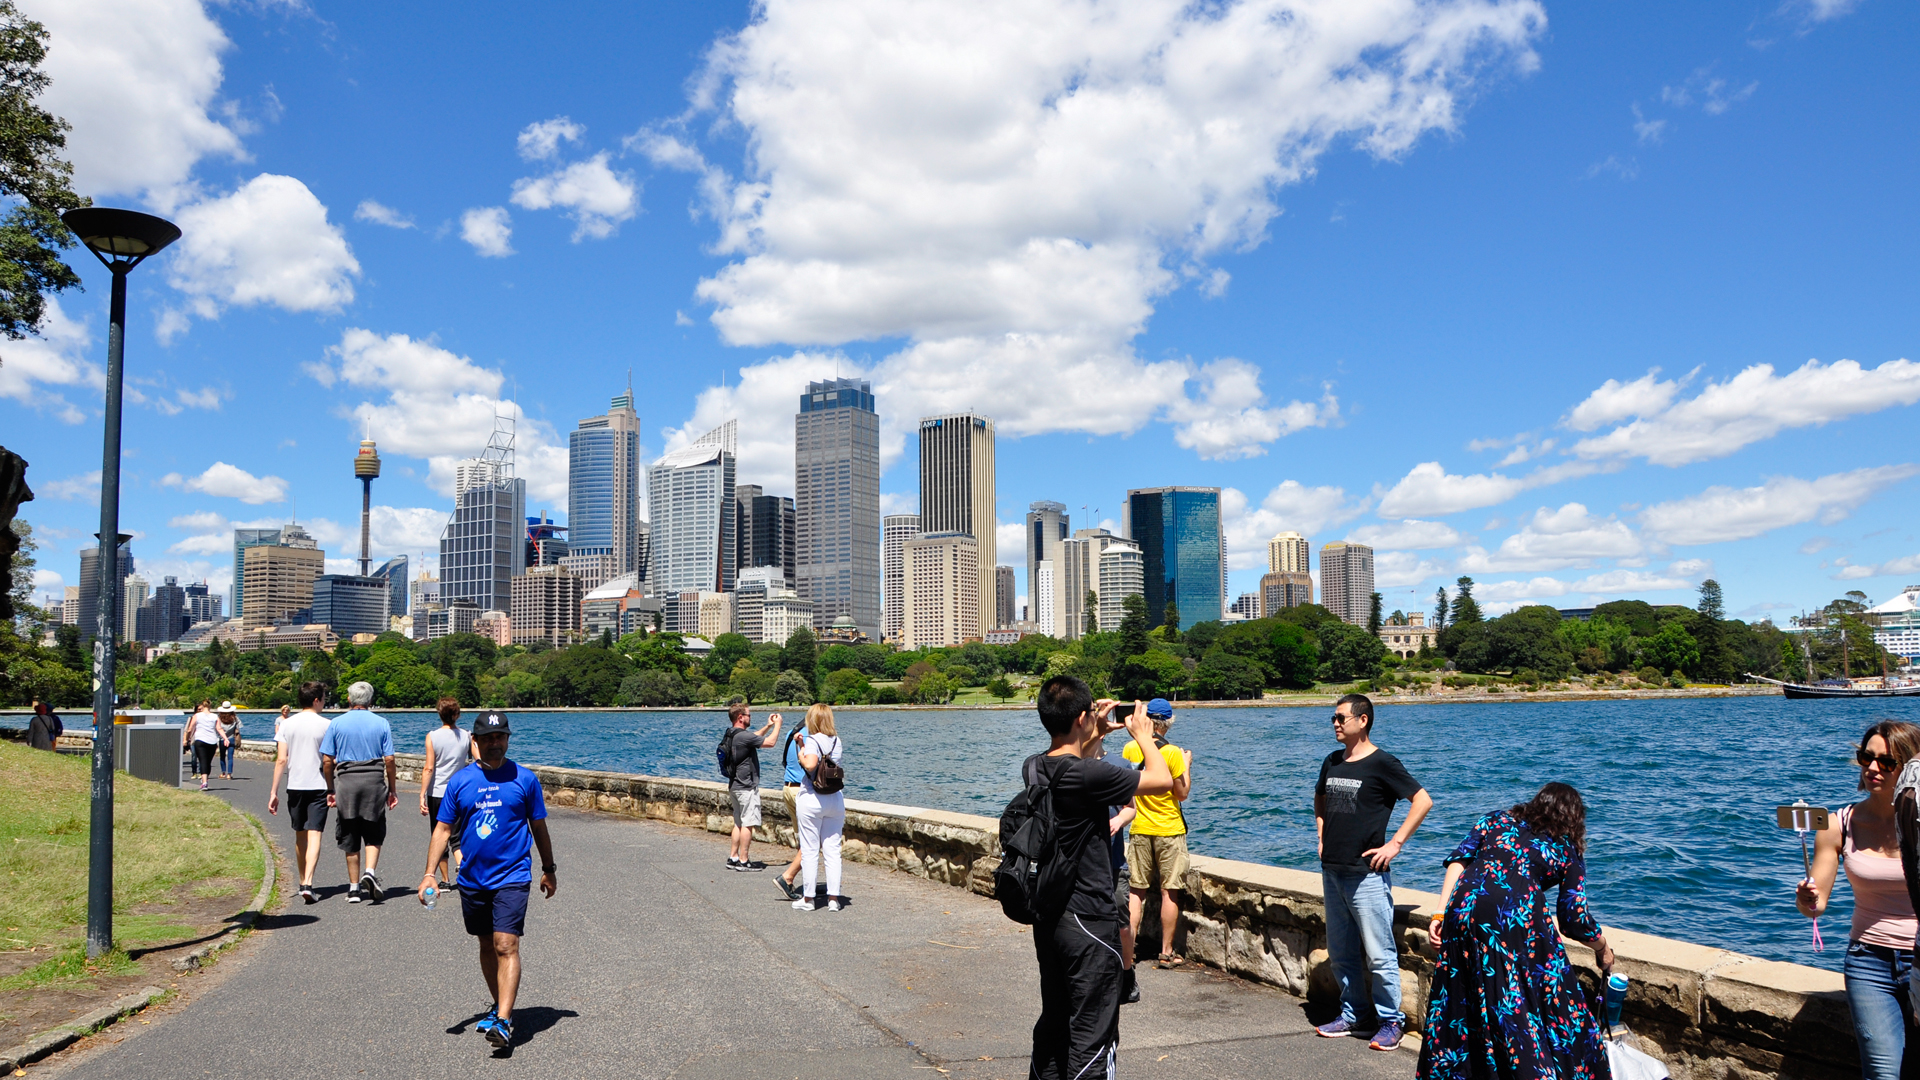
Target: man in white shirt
298,763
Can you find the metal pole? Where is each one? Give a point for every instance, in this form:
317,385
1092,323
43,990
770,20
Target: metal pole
107,628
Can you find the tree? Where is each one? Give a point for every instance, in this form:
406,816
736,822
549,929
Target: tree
1465,608
1712,604
1349,652
20,588
802,654
1528,639
1222,676
1000,688
1440,609
1373,614
586,675
653,688
847,686
1133,626
728,650
466,686
1672,649
33,172
752,684
1170,621
1093,612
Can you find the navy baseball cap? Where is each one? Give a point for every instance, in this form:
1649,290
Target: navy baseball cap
492,723
1160,709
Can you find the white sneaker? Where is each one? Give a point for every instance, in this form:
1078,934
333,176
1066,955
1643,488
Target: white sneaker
833,904
805,903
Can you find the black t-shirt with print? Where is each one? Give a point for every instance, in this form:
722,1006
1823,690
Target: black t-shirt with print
1082,792
1356,799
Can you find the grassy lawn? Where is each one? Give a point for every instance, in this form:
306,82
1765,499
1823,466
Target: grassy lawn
169,845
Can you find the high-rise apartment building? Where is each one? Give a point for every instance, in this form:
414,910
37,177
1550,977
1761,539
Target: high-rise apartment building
594,569
352,604
545,545
546,606
1346,581
1123,573
764,530
242,540
896,530
767,608
70,605
424,590
134,592
1246,605
484,544
1184,548
690,493
88,610
1047,528
394,570
836,503
603,488
942,590
1004,586
957,487
618,607
1284,590
279,579
1287,554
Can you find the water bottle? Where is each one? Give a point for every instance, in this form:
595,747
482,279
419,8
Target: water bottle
1616,997
430,896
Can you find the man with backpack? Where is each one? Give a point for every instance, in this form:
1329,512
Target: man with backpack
739,757
1056,873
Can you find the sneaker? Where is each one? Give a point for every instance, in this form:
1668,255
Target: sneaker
751,864
307,894
370,884
834,904
803,904
500,1032
1338,1029
1129,987
353,894
1387,1038
788,887
733,863
487,1021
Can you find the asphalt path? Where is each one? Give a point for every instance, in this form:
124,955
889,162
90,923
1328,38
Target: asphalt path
654,960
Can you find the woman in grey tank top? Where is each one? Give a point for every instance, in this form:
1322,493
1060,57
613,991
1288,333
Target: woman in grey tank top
449,749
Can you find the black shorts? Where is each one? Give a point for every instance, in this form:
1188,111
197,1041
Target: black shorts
495,911
353,833
433,822
203,757
307,810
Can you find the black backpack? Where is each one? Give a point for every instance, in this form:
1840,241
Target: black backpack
724,752
1031,883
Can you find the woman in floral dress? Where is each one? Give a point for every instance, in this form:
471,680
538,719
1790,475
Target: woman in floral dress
1504,1001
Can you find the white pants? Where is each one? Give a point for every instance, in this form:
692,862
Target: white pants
822,817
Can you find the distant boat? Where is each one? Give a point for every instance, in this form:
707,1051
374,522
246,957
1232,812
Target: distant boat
1876,687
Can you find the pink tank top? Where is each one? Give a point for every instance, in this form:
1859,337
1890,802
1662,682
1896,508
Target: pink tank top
1882,912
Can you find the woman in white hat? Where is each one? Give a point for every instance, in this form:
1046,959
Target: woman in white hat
229,740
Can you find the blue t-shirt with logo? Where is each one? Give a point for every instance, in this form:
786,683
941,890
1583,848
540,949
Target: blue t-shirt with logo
493,810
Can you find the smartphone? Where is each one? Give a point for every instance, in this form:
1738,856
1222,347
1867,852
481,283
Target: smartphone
1802,818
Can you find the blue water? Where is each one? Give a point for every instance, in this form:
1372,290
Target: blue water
1680,793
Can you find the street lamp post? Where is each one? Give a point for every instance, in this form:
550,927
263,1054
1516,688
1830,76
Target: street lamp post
121,240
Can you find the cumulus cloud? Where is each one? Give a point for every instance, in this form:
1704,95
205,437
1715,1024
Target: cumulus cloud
382,214
57,357
1714,94
1289,506
489,229
1905,566
1010,546
1756,404
1409,535
595,196
540,141
69,488
439,406
1015,212
1598,588
1401,569
392,530
1720,513
1555,540
1227,420
1428,489
230,482
138,80
269,242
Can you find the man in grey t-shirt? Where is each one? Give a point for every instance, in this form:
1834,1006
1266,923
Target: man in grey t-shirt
743,780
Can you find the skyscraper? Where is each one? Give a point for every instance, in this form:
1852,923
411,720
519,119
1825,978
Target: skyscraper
395,571
957,488
545,545
1003,592
201,603
1183,548
135,591
1346,581
836,503
896,529
1287,554
279,579
88,609
1047,525
1122,574
765,530
242,540
1288,581
352,604
485,542
942,590
546,606
163,615
690,493
603,488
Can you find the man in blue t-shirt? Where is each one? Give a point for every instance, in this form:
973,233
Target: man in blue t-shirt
501,813
356,759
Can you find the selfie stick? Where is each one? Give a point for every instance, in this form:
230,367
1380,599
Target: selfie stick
1803,824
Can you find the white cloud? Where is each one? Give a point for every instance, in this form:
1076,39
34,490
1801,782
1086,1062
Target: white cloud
84,486
1291,505
1402,569
381,214
1502,596
1428,489
392,531
1815,545
440,406
1409,535
1556,540
1756,404
231,482
1719,513
49,581
55,358
1645,130
489,229
899,502
138,80
596,197
1822,10
1714,94
1010,546
1905,566
540,141
1016,211
1226,420
269,242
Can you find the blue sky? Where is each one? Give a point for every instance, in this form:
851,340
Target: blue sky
1587,302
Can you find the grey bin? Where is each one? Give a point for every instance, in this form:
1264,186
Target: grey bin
150,751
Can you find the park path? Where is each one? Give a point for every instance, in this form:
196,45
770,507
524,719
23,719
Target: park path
654,960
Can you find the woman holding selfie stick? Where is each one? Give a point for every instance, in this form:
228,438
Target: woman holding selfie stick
1504,1000
1880,946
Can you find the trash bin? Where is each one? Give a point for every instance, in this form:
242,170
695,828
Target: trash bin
147,747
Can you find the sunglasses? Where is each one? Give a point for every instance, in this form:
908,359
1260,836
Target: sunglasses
1338,719
1887,763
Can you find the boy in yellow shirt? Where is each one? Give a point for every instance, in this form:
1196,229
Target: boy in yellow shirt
1157,853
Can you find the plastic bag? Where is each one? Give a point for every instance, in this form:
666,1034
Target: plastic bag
1629,1062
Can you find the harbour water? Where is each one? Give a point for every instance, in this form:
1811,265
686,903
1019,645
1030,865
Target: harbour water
1681,793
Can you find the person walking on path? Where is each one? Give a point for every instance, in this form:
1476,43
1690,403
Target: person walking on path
742,749
1504,1000
1157,854
356,756
202,735
296,760
1078,946
448,751
285,711
230,728
791,776
823,815
1879,962
1352,803
500,812
43,729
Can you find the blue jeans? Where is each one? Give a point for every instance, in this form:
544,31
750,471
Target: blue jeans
1877,995
226,756
1360,944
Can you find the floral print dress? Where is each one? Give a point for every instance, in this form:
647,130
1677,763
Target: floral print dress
1504,1001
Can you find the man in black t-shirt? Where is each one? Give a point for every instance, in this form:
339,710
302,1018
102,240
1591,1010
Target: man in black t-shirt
1352,802
1078,1032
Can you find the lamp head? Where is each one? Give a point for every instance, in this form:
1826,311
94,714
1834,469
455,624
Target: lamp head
120,238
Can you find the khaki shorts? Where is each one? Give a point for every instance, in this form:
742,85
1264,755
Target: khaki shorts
788,793
746,808
1157,861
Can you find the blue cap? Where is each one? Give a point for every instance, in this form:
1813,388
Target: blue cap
1160,709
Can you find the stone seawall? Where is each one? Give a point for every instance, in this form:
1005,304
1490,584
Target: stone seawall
1710,1014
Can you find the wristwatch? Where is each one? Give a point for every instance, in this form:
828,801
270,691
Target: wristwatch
549,868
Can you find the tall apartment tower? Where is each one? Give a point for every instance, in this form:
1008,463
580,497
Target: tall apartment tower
896,530
956,487
1346,581
135,591
1004,588
1123,573
484,545
1287,554
242,540
279,577
764,530
942,590
603,488
88,617
836,503
545,606
690,493
1184,550
1047,526
1288,581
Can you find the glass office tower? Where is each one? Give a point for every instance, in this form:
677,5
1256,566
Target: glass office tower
836,503
1183,549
